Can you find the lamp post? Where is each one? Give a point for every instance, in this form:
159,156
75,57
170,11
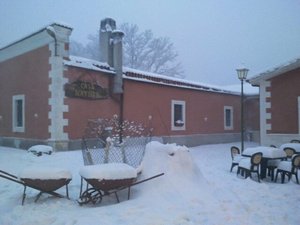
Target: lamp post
242,75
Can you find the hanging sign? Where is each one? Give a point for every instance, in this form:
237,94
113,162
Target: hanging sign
85,90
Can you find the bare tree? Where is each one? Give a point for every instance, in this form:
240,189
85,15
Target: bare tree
91,50
141,51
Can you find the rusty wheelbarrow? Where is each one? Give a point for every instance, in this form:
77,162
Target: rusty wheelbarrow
48,186
102,185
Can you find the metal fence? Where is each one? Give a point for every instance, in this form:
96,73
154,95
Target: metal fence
104,144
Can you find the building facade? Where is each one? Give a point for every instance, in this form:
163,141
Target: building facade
279,103
48,96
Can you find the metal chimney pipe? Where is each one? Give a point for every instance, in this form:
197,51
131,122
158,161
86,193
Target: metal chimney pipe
118,61
107,26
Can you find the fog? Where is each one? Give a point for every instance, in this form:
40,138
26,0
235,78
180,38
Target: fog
212,37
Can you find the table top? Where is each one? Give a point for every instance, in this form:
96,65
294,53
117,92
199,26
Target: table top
295,146
268,152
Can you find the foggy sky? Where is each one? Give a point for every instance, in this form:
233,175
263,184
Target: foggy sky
212,37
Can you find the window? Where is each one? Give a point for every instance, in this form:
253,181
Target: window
228,117
18,113
178,115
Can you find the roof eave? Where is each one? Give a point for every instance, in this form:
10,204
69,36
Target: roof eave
34,33
256,80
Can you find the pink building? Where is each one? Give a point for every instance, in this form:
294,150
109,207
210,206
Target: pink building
48,96
279,103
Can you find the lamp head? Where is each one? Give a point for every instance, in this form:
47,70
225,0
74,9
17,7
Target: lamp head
242,73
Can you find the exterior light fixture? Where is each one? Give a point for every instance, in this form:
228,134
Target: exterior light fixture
242,73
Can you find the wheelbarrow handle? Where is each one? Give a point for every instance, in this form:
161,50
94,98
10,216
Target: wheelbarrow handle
10,177
8,174
150,178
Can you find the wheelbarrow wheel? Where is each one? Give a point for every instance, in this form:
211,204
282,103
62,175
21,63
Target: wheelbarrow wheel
90,195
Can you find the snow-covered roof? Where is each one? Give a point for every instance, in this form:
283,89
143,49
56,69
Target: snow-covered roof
149,77
138,75
278,70
89,64
248,89
61,24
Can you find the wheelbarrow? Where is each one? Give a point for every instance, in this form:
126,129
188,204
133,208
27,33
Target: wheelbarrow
48,186
101,187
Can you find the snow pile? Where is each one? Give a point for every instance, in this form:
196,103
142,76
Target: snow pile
171,159
40,149
110,171
182,178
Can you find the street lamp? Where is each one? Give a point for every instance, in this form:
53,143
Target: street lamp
242,75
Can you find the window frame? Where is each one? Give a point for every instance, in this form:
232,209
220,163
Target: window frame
15,114
230,127
183,112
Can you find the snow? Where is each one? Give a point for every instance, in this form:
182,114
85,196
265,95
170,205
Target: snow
111,171
108,27
285,165
90,64
51,29
150,77
197,188
40,149
295,146
237,158
45,173
248,88
268,152
245,163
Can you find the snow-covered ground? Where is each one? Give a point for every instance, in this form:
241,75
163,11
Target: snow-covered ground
197,188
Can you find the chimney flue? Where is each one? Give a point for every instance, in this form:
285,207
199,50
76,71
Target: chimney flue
117,37
106,48
111,51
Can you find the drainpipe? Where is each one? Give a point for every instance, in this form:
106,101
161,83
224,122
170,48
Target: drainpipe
118,79
112,52
50,30
121,116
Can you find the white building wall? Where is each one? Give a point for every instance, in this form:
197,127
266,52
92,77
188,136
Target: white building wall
58,137
56,101
264,116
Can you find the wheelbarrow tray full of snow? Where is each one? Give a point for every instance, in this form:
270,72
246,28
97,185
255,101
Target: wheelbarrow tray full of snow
107,179
49,185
